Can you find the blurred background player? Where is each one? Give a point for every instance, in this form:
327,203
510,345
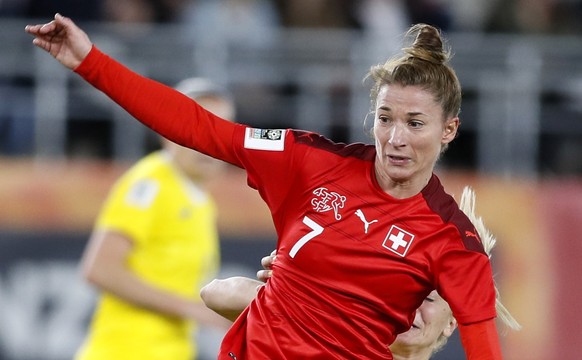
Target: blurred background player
154,245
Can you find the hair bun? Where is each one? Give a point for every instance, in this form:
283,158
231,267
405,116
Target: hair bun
427,45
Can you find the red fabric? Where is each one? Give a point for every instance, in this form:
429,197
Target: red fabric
365,260
480,341
344,294
168,112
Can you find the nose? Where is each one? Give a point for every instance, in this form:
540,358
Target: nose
418,317
396,137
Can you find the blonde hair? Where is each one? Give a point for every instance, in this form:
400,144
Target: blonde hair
467,205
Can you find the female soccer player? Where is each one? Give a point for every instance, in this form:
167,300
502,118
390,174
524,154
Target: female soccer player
433,323
373,221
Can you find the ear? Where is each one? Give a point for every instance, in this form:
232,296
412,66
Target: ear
450,130
450,328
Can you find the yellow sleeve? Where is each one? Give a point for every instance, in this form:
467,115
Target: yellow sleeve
129,207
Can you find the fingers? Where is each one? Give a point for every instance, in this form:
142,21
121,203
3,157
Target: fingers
63,20
44,29
264,275
62,39
45,45
40,29
60,22
48,28
267,261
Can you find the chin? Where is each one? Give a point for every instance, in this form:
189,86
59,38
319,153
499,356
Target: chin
400,176
410,337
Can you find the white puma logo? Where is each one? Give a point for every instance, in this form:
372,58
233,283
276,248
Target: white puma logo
367,223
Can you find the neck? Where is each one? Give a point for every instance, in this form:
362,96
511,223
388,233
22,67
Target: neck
402,189
412,354
183,170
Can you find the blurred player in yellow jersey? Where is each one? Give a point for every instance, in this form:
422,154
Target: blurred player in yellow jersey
154,246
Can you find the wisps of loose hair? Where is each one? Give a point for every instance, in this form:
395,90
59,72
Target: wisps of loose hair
467,205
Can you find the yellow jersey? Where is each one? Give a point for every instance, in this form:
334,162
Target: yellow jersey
175,246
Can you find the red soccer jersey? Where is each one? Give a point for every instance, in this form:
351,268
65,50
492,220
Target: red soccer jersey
353,263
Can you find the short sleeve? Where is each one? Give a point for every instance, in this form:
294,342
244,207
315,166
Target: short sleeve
129,208
465,281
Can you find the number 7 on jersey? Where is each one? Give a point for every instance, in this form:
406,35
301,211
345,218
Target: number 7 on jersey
316,229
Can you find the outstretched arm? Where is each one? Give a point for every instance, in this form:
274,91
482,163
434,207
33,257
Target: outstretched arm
163,109
61,38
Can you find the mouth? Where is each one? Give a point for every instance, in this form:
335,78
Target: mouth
398,160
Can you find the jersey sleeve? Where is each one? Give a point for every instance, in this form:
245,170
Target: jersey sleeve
270,158
265,153
129,208
481,341
465,280
161,108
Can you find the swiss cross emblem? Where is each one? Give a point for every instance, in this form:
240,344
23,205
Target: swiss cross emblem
398,240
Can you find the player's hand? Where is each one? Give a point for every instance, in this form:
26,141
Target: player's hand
61,38
267,264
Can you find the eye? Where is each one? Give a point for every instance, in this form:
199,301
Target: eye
415,123
384,119
429,299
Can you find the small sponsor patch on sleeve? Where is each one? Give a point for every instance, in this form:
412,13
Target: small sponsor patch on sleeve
265,139
142,194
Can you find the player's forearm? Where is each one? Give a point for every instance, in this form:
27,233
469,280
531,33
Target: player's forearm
120,282
229,297
104,266
480,341
131,289
163,109
153,103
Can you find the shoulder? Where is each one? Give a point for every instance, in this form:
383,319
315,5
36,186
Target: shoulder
320,142
144,179
155,166
445,206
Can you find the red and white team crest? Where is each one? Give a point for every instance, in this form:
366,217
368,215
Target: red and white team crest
326,200
398,240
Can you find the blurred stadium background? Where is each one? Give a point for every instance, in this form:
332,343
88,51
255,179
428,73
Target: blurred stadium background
292,64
